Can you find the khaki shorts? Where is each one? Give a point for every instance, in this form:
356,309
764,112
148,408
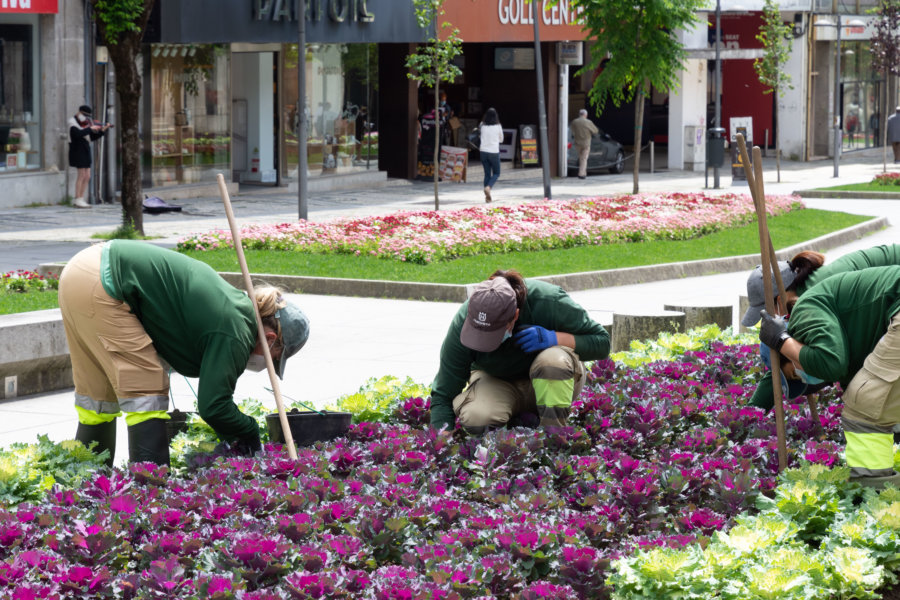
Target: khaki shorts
873,395
490,401
114,362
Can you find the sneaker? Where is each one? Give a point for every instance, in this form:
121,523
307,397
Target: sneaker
877,483
487,193
582,177
80,203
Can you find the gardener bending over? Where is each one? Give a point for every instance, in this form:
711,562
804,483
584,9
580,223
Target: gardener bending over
847,329
519,345
131,311
800,274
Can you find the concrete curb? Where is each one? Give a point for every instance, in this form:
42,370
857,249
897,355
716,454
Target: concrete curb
848,194
572,282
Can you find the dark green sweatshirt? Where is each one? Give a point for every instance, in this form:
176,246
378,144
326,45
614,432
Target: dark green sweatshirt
545,305
877,256
202,326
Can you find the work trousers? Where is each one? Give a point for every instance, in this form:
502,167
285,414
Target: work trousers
114,363
583,153
554,381
872,408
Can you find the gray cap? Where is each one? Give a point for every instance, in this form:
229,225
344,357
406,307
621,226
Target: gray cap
492,306
294,333
756,293
790,388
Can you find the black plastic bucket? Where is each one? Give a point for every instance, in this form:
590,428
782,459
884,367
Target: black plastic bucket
178,422
309,427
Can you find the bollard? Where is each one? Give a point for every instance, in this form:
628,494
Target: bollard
697,316
628,327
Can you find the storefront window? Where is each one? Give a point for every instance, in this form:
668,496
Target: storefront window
20,126
341,91
860,97
191,113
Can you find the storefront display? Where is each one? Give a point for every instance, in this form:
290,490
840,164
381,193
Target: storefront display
19,91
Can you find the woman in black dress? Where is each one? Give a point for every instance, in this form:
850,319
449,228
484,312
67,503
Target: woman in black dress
82,131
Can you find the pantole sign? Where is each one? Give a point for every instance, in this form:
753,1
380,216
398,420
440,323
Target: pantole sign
29,6
338,11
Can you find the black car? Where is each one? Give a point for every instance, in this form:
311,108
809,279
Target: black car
606,153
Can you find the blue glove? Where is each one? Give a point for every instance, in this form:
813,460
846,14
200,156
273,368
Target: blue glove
535,339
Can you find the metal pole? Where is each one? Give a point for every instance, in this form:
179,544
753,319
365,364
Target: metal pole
542,108
111,134
837,97
302,159
717,77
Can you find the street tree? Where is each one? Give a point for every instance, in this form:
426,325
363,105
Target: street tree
633,50
432,63
775,36
885,49
121,24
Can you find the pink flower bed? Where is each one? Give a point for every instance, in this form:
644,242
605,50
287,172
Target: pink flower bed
427,236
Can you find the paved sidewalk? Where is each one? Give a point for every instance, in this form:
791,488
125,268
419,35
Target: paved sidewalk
354,339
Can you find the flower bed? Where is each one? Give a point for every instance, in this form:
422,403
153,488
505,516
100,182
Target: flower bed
21,281
887,179
427,236
659,456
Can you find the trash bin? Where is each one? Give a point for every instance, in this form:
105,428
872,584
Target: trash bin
715,147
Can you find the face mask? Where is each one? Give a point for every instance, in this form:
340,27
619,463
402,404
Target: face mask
808,379
506,335
256,363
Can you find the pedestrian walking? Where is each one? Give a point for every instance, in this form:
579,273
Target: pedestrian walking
132,311
82,131
489,148
893,133
582,131
847,329
514,348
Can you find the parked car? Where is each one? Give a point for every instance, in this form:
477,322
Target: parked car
606,153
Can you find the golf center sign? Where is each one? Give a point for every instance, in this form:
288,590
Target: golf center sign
488,21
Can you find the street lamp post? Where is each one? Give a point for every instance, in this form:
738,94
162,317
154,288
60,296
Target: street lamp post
716,79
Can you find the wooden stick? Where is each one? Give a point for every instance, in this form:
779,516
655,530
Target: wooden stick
261,333
782,295
765,257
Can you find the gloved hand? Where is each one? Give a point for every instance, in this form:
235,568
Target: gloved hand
772,331
242,447
535,339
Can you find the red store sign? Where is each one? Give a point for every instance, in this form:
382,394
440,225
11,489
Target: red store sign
29,6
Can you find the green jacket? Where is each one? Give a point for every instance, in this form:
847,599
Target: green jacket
545,305
840,321
877,256
202,326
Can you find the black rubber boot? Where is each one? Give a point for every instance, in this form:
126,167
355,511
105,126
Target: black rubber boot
149,442
103,433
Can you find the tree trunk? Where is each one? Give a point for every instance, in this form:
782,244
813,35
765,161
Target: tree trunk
128,85
638,129
777,137
437,135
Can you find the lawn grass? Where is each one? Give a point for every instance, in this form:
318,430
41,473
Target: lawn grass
861,187
16,302
788,229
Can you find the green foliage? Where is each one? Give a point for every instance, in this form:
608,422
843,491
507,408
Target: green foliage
119,17
819,538
885,46
433,62
641,47
773,35
377,399
27,471
125,231
668,346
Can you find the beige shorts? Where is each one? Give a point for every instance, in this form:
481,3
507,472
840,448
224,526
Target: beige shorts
114,362
873,395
